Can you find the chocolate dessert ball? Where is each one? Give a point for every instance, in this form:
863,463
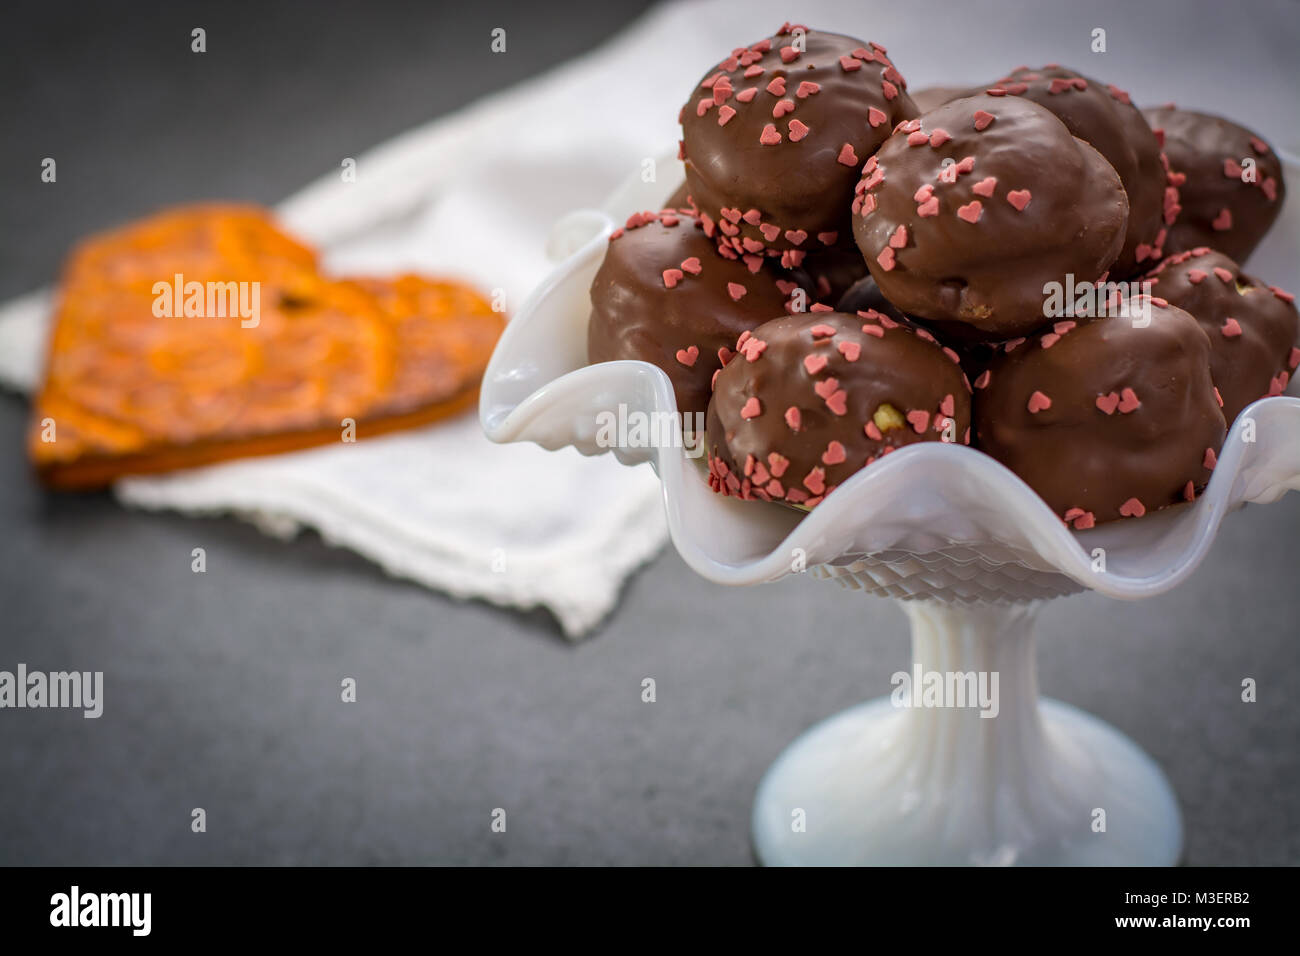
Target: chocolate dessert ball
1253,327
1104,117
1225,203
967,212
1105,419
774,136
810,399
663,295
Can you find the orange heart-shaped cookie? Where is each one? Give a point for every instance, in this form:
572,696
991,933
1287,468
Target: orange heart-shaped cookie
205,333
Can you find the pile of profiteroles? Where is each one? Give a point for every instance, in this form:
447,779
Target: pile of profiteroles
1034,267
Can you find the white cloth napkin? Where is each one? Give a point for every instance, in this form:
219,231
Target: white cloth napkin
475,194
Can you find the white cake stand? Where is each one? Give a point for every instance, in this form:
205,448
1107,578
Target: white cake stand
970,550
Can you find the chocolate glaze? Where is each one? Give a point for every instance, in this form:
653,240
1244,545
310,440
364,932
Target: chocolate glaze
1105,420
1218,209
636,315
1103,116
772,157
1253,328
1044,204
799,409
935,96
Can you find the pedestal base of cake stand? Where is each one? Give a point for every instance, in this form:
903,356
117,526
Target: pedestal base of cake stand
1037,783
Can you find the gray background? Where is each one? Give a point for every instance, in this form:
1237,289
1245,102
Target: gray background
223,688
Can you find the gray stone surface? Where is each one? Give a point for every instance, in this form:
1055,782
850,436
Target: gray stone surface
223,688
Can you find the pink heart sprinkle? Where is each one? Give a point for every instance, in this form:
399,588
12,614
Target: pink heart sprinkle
1038,402
1128,401
1223,275
1108,403
834,454
850,350
1223,221
948,406
777,462
917,138
924,193
1085,522
1197,276
751,408
822,331
782,107
798,130
748,94
1211,459
725,113
1019,198
815,481
777,86
875,117
807,88
899,239
692,265
873,432
1231,328
971,211
985,187
847,156
886,258
983,380
838,403
982,119
874,330
928,208
966,164
1132,509
672,277
795,237
939,137
736,291
814,363
769,136
688,356
826,387
769,231
919,419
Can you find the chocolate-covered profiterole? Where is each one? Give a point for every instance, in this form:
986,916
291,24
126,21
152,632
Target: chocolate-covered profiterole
1104,116
966,213
1253,327
663,295
773,138
1226,204
1103,419
810,399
